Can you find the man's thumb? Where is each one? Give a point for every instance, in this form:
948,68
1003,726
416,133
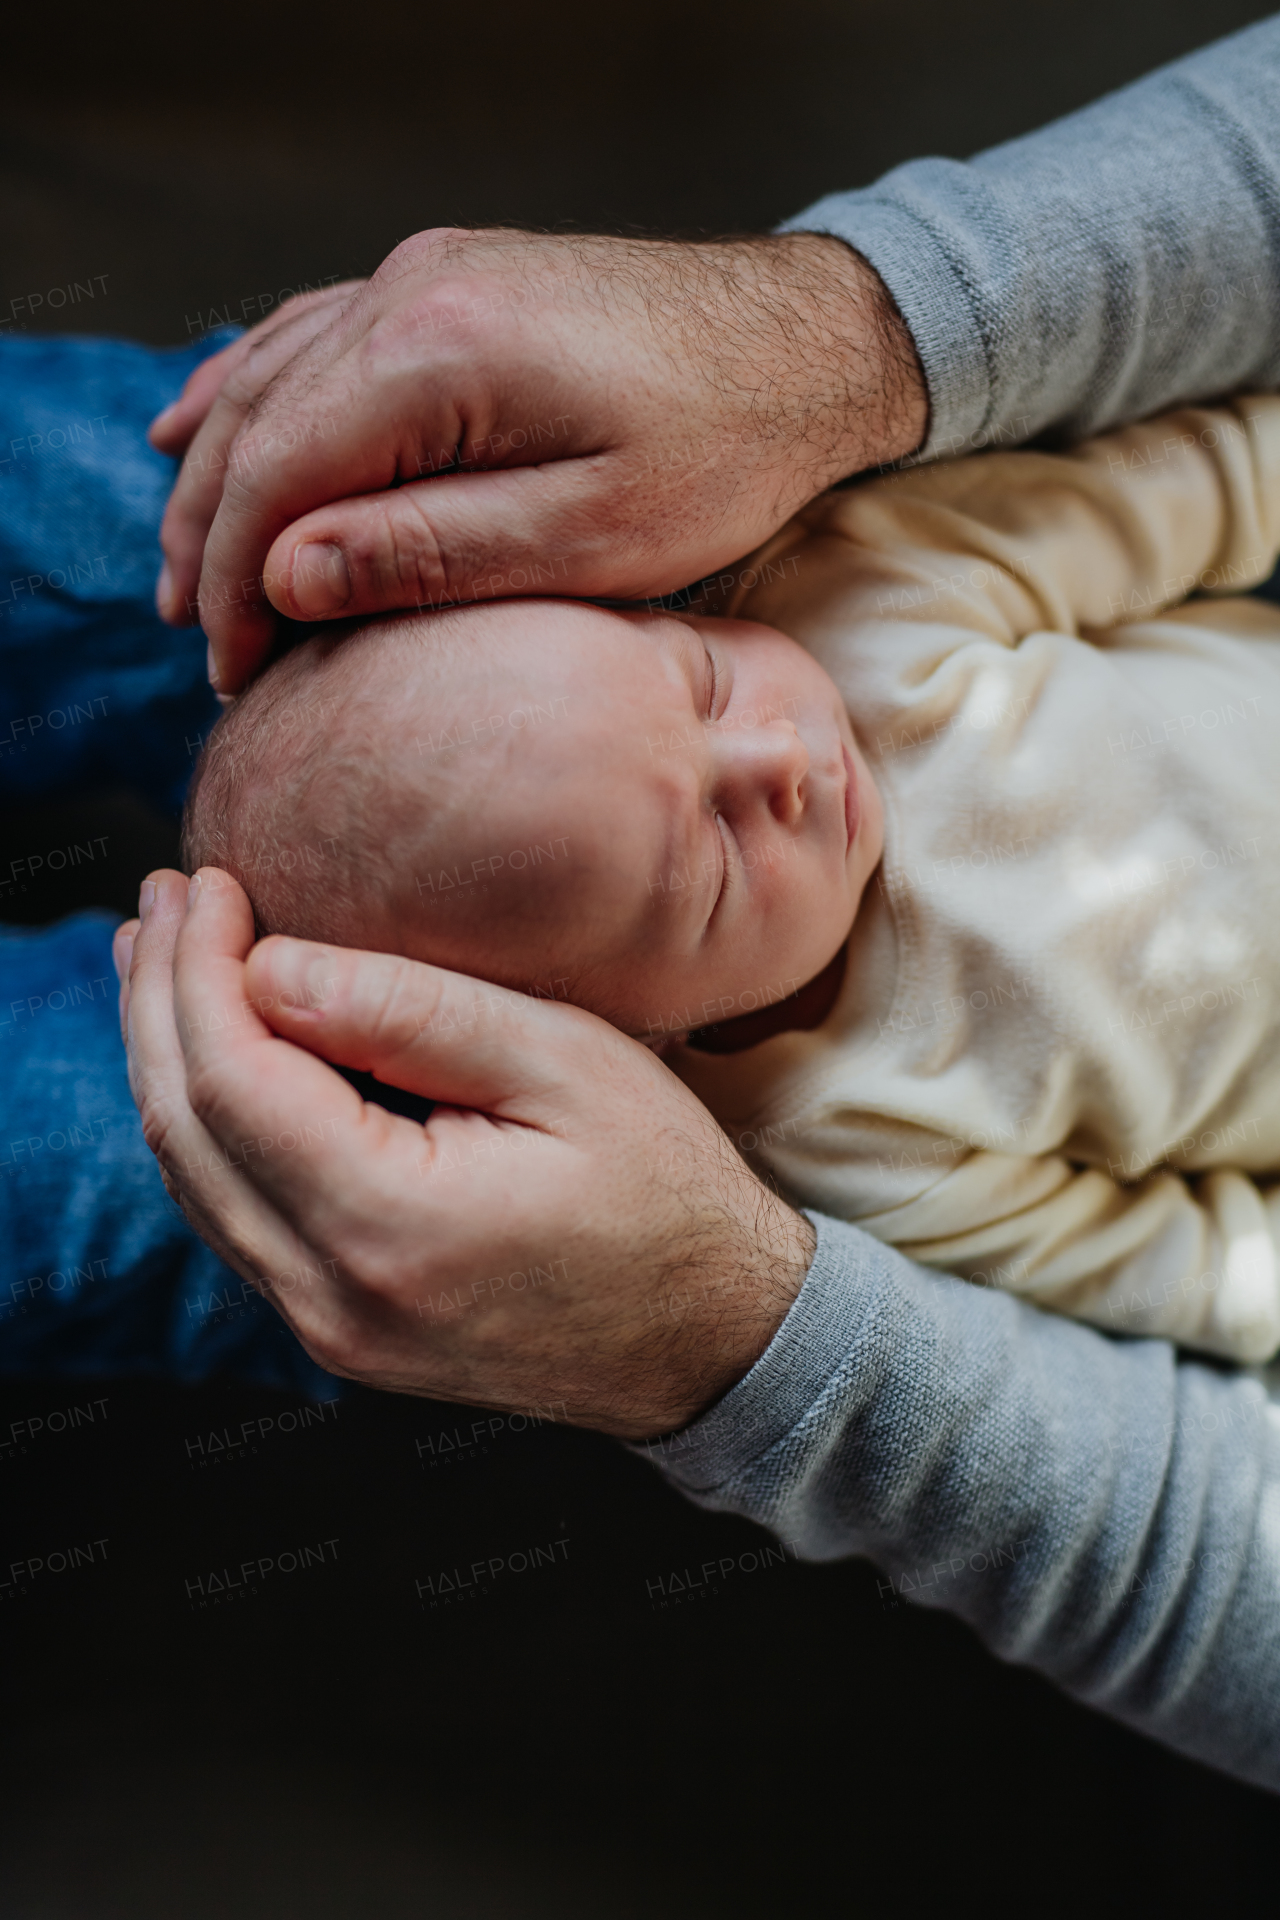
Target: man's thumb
453,1039
445,542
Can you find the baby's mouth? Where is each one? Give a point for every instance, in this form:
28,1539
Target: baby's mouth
852,811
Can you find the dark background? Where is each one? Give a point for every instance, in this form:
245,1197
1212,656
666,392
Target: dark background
560,1745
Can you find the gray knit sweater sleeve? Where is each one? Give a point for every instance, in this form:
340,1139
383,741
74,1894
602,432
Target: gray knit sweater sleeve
1119,261
1098,1509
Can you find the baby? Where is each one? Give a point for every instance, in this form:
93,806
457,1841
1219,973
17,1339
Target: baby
942,864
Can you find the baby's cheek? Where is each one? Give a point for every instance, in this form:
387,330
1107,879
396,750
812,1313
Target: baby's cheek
760,960
810,918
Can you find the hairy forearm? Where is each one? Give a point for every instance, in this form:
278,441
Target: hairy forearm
805,334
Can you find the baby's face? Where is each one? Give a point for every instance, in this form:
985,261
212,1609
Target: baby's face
670,812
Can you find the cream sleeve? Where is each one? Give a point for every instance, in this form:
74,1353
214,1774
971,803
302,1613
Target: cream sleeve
901,574
1003,545
1192,1258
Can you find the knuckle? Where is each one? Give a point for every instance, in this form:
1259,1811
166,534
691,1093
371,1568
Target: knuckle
340,1346
389,1014
326,1346
156,1116
373,1265
243,381
240,483
380,1273
432,244
206,1092
161,1118
325,1330
455,312
415,561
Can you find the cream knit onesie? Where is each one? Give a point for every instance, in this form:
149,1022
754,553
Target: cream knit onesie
1054,1065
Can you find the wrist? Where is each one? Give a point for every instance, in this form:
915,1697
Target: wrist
714,1315
871,386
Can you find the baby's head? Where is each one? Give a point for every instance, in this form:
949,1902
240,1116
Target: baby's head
663,819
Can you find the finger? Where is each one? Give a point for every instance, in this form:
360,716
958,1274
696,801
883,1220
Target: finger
476,536
299,1133
456,1040
377,402
509,1073
122,956
251,364
224,1206
172,429
193,504
122,946
157,1070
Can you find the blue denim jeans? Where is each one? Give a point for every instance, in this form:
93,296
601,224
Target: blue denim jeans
100,1272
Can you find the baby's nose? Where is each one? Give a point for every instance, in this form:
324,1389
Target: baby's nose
773,760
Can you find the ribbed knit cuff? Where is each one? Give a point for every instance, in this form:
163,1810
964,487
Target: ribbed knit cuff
790,1374
932,299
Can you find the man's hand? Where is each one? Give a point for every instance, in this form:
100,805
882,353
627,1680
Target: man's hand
570,1225
500,413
